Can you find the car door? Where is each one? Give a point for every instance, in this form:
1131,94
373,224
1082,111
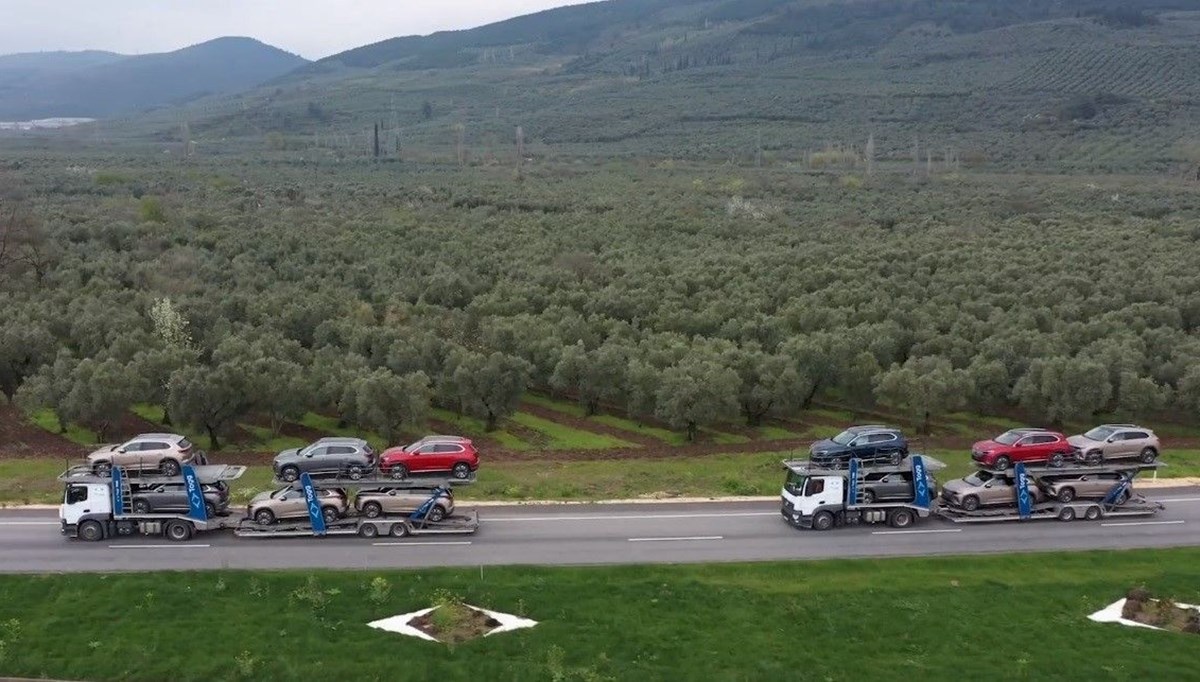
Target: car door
1129,443
126,455
448,454
291,505
401,502
882,443
337,457
424,458
314,459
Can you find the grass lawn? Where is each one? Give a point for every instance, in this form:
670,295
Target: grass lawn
47,420
665,435
1010,617
777,433
563,437
329,425
471,426
722,438
265,440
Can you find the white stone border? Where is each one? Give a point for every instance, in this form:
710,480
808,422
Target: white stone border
1112,614
400,624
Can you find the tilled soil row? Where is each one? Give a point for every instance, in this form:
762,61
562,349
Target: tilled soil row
584,424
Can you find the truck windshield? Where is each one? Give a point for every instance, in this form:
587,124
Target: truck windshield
794,483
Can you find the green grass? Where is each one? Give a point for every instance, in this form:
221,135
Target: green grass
265,440
1010,617
475,427
329,425
47,420
722,438
665,435
563,437
777,433
549,403
151,413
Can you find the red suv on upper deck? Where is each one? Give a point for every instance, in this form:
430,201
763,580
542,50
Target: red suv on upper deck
1022,445
454,454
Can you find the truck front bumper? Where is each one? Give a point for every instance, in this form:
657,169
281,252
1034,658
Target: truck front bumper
793,517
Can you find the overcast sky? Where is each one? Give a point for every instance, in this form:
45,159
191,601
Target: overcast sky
310,28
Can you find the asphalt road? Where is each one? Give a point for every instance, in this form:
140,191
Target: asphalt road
595,534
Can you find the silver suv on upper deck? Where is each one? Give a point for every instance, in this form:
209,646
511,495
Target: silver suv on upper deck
1115,441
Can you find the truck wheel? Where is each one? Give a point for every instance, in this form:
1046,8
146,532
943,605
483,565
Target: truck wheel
462,470
368,530
330,514
372,510
264,517
1148,456
355,471
1002,463
178,531
823,521
398,530
91,531
901,518
102,468
970,503
169,467
1057,460
399,472
1066,494
1094,458
1092,513
141,507
436,514
1066,514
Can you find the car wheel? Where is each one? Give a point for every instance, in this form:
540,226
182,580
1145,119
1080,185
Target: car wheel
1148,456
1066,514
102,468
970,503
372,510
169,467
1066,495
141,507
868,497
210,509
823,521
289,474
1094,458
1057,460
462,470
368,530
901,518
398,530
330,514
355,471
894,458
436,514
178,531
264,517
399,472
91,531
1123,497
1002,463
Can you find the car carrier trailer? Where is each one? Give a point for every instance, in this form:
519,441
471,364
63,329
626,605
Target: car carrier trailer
96,506
395,525
821,498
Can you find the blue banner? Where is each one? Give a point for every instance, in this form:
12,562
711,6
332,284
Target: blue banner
118,482
314,506
852,482
195,493
1024,498
921,492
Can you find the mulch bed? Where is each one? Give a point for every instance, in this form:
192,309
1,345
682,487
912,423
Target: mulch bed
465,624
1142,607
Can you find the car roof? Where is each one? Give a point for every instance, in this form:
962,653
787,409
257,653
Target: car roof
158,436
1125,426
871,427
342,439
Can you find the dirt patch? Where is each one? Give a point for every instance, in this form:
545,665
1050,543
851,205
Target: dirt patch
1142,607
289,429
455,623
587,425
21,439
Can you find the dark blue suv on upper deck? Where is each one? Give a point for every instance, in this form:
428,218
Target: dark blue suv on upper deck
871,443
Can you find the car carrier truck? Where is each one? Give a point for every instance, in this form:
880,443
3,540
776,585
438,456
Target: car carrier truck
822,498
99,506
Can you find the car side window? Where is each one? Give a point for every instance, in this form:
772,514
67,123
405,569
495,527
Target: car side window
449,447
1044,439
154,446
340,450
1135,435
320,452
77,493
131,447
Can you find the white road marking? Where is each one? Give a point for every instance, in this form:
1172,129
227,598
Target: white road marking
178,546
419,544
1176,499
626,517
29,523
693,537
913,532
1144,523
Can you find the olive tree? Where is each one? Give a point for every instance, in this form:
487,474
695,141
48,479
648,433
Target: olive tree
387,402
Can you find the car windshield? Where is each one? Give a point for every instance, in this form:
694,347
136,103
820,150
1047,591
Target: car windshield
844,437
185,444
979,478
1009,437
278,494
1099,433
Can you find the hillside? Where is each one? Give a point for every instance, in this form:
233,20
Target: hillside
1059,86
101,84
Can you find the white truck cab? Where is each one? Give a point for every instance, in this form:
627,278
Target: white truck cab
84,499
803,494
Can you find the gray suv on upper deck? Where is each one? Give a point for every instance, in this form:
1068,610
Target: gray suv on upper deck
350,457
1115,441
